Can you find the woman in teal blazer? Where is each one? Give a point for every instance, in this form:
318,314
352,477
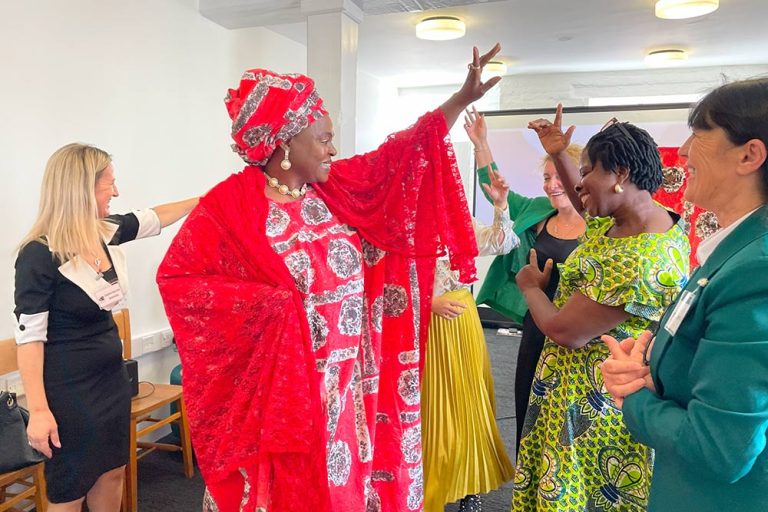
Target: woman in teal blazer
704,405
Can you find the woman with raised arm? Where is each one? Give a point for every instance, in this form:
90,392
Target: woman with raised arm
551,225
299,294
575,453
70,273
704,405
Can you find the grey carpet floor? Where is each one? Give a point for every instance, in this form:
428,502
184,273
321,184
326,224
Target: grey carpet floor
163,487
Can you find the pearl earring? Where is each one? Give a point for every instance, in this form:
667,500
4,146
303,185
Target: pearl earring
285,164
618,189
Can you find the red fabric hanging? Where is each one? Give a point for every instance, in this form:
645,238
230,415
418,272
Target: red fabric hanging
701,223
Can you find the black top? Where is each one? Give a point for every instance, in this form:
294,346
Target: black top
550,247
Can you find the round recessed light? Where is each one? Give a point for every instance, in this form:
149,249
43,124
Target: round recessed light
440,28
670,57
680,9
495,68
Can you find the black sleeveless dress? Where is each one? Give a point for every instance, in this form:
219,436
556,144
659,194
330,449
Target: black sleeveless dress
532,341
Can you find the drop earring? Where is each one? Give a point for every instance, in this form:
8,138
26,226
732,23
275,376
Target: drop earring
618,188
285,164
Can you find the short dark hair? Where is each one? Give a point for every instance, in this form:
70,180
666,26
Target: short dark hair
740,109
626,145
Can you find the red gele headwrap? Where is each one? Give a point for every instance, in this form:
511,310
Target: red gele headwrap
267,109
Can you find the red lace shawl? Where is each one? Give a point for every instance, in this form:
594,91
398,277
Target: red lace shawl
250,380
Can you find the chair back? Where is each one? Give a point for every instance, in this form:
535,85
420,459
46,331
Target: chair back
123,322
8,363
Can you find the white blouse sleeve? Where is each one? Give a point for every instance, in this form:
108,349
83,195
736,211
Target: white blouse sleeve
149,223
498,238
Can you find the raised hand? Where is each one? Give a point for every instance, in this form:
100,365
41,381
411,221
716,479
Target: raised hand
530,276
551,135
474,124
473,87
498,190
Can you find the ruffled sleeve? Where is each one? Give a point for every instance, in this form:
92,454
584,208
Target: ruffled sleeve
407,197
641,274
499,237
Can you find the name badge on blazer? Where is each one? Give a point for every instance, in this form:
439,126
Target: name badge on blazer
108,295
681,308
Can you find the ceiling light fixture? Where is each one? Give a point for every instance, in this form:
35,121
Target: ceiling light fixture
495,68
670,57
680,9
440,28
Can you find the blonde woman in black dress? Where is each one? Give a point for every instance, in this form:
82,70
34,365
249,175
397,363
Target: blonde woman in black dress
69,275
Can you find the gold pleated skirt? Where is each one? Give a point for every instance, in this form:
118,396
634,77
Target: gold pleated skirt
462,449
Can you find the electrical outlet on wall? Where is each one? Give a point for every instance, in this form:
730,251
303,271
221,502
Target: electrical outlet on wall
167,337
147,344
153,342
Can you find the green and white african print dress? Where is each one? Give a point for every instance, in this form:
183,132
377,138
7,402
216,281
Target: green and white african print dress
575,452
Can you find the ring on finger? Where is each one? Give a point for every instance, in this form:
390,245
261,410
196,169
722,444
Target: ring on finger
472,67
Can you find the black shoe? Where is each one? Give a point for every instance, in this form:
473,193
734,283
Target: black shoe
471,503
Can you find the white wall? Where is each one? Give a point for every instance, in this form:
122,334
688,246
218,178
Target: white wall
143,80
374,118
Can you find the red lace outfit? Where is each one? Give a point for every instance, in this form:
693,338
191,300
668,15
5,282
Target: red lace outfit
301,378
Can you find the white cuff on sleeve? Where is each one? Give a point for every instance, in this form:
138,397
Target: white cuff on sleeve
31,328
149,223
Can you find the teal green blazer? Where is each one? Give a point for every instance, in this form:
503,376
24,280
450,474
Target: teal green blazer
708,419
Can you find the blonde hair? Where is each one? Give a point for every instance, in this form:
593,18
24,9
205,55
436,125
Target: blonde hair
574,151
67,218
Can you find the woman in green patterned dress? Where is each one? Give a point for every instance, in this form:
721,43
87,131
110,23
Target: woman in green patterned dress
575,453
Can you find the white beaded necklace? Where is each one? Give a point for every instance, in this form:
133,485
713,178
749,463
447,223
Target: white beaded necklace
283,189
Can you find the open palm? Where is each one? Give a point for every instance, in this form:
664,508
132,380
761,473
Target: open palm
498,190
474,125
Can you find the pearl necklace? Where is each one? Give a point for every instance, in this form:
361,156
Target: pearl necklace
283,189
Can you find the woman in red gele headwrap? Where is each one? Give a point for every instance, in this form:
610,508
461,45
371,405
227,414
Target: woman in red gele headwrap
299,293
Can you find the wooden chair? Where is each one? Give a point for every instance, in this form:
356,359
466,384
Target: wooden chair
29,482
151,398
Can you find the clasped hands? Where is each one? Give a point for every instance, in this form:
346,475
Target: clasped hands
624,372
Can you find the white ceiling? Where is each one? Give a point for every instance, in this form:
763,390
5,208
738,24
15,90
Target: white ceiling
541,36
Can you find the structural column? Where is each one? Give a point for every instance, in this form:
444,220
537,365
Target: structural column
332,27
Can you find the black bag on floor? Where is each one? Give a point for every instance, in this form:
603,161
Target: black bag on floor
15,452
